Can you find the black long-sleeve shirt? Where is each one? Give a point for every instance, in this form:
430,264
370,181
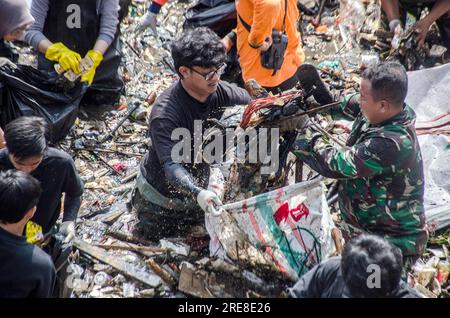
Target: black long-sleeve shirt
25,270
57,175
175,108
325,280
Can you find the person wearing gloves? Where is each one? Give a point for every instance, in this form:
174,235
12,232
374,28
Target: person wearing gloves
439,12
170,193
15,18
67,31
256,22
150,19
27,150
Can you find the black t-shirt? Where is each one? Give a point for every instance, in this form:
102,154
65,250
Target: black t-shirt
57,175
325,280
175,108
25,269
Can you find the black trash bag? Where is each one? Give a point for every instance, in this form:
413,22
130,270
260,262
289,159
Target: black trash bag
218,15
123,12
6,50
25,91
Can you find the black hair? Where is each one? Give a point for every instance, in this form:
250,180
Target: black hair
389,81
19,192
26,137
361,257
198,47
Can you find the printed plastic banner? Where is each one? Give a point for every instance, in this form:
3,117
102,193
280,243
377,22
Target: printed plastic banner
290,227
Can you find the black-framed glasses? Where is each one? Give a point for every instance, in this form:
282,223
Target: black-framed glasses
209,76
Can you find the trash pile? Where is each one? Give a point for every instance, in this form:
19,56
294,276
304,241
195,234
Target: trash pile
431,277
340,38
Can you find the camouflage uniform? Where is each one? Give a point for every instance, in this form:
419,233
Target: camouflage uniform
382,183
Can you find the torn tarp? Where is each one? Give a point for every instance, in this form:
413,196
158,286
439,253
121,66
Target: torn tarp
429,96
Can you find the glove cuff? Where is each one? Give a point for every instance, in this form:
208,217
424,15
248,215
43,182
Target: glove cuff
96,57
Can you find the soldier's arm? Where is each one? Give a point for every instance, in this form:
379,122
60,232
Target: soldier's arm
374,156
349,106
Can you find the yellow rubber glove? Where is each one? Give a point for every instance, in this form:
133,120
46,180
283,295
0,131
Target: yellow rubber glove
96,57
68,59
33,232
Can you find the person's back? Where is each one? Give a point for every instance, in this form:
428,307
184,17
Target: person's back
25,270
370,267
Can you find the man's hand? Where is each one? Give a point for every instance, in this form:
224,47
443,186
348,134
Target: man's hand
226,41
96,57
421,27
68,59
208,201
67,229
266,44
4,61
148,21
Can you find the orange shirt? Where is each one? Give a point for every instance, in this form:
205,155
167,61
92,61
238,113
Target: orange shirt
263,16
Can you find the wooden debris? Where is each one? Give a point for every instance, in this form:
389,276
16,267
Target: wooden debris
161,272
151,280
111,216
133,247
193,282
129,177
127,238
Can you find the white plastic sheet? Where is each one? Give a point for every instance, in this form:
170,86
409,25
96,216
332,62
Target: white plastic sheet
429,96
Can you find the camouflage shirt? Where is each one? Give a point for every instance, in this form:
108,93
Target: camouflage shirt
382,183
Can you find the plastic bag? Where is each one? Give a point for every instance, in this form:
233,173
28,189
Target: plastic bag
428,95
221,17
26,91
218,15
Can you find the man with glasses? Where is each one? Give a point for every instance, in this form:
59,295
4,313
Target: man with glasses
170,194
